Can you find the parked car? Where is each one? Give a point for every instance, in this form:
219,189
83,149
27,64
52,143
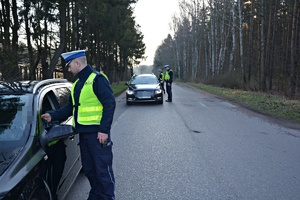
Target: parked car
36,157
144,88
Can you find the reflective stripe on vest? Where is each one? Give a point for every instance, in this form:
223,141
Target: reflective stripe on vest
90,108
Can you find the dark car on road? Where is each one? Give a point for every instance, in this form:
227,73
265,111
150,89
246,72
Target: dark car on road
38,160
144,88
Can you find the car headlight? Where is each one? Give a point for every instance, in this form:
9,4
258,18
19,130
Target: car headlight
159,91
130,92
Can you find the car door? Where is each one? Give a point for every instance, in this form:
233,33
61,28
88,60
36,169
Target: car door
73,162
65,154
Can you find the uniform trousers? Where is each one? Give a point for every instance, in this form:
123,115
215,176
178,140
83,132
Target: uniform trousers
169,90
97,166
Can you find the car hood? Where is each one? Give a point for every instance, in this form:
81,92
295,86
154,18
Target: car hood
7,157
144,86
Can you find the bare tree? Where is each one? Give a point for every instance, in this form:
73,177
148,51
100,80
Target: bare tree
224,32
62,6
26,14
241,42
263,71
293,73
9,52
268,49
212,39
233,48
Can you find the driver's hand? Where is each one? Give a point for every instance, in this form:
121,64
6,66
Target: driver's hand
46,117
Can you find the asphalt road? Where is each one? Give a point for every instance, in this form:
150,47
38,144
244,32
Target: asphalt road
200,147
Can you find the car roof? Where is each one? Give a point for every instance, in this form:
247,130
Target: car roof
21,87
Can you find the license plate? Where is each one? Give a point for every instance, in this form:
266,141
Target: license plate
144,95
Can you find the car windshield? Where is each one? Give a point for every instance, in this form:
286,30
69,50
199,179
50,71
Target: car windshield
14,116
144,80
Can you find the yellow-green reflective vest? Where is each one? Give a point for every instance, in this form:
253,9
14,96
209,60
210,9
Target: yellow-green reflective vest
167,76
162,76
90,108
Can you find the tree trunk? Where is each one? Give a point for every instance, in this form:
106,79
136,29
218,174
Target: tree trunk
15,27
250,43
212,38
231,61
45,65
32,67
6,24
206,63
272,44
223,36
263,71
241,42
10,24
293,53
62,31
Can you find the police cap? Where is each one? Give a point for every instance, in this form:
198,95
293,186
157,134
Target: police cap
69,56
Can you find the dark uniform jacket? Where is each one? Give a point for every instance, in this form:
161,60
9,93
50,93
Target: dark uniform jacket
105,95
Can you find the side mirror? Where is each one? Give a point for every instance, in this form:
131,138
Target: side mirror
56,133
126,83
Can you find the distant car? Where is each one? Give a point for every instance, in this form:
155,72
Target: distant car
144,88
27,143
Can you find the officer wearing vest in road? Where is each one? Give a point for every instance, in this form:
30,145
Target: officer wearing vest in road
92,105
169,80
161,79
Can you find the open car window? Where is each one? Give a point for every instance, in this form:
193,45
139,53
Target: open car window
63,95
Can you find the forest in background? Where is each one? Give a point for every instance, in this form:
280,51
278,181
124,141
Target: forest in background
34,33
244,44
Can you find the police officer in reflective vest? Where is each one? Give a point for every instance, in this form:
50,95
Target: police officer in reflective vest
161,79
169,80
92,105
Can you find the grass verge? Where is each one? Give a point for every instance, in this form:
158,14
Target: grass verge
265,103
118,88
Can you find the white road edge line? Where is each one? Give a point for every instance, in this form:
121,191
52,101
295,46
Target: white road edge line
202,104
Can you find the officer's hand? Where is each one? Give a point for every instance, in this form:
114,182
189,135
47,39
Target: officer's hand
46,117
102,137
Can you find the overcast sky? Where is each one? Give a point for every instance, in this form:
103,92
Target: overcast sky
154,17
